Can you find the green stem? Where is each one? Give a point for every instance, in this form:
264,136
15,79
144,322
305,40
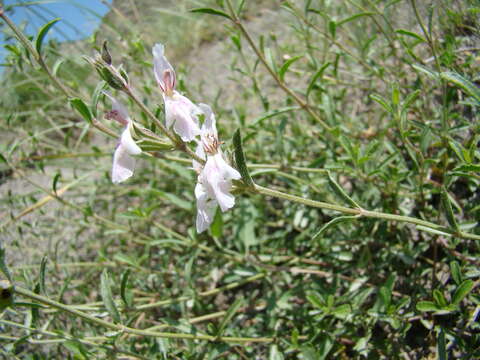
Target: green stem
128,330
362,212
38,57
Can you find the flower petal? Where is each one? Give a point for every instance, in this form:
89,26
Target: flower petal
128,143
201,154
226,170
205,209
183,115
123,165
209,127
161,65
119,112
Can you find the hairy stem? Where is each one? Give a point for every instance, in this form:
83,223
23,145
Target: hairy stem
132,331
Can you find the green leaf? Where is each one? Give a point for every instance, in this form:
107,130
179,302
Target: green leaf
462,291
229,315
55,182
272,114
315,77
316,300
211,12
96,96
3,265
340,192
342,311
309,353
465,84
124,293
41,275
82,108
275,354
410,99
426,306
217,225
426,71
107,297
354,17
42,33
382,101
455,271
441,346
411,34
439,298
468,168
333,222
286,65
240,160
56,66
447,207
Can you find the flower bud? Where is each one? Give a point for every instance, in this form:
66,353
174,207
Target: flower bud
106,54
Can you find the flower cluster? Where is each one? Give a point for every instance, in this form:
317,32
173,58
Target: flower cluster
215,176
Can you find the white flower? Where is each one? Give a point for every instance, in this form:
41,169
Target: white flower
123,162
180,112
215,177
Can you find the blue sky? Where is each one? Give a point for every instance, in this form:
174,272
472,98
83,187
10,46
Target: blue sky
79,17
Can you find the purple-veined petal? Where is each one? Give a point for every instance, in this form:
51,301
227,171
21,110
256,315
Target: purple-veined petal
161,66
119,112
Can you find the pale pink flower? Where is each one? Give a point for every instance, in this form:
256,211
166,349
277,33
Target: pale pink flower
180,112
215,177
123,162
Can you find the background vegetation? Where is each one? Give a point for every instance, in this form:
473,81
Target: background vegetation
370,105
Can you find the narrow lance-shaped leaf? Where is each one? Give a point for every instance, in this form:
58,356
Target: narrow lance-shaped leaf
316,76
470,88
41,275
441,346
56,178
126,297
211,11
410,99
42,33
354,17
333,222
3,265
229,315
240,160
382,101
447,207
82,108
286,65
411,34
107,297
340,192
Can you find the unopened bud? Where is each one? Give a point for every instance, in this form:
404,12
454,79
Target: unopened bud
106,54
